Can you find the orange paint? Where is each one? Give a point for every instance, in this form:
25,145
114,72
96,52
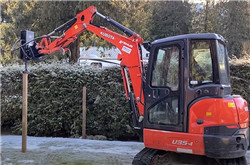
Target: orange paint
243,112
221,112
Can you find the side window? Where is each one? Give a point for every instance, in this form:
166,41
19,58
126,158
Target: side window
166,68
222,64
165,112
201,68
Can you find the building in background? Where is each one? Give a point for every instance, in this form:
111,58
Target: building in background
95,57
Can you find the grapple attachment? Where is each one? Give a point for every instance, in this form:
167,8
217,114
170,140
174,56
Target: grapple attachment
28,49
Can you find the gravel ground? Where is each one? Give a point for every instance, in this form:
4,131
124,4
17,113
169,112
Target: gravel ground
53,151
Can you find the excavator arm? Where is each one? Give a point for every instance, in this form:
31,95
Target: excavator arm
129,47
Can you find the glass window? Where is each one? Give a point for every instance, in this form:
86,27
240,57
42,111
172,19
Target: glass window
201,70
166,68
165,112
222,64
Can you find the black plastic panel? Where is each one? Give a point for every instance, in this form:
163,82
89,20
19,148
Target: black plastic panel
226,147
219,130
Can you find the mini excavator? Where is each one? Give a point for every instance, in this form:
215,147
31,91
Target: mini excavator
182,103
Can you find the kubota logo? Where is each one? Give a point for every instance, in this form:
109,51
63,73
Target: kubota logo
107,35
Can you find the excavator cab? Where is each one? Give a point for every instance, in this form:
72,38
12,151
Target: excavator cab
188,103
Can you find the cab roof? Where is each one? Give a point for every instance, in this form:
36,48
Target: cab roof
191,36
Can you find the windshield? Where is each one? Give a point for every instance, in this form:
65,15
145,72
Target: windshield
201,68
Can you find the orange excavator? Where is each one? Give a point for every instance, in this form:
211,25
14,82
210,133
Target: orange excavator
182,103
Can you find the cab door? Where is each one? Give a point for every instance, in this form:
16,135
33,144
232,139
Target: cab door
164,87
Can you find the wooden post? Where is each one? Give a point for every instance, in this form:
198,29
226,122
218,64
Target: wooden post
84,113
24,114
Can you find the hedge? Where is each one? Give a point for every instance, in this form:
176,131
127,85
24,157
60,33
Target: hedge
55,99
240,79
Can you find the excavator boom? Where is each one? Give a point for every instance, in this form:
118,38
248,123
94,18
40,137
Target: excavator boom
129,46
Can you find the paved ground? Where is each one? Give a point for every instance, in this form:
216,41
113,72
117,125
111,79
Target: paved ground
51,151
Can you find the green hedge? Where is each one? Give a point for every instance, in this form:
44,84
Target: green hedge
240,80
55,101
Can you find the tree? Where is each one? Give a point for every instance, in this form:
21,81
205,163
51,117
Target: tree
51,14
170,18
41,17
66,10
14,17
205,17
237,25
136,15
228,18
150,19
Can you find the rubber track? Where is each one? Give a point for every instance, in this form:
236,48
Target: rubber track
149,156
144,157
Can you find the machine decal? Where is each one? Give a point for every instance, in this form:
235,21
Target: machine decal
125,43
208,113
182,142
126,49
230,105
190,151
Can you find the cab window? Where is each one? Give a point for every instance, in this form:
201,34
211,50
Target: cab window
201,68
165,112
222,58
166,68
